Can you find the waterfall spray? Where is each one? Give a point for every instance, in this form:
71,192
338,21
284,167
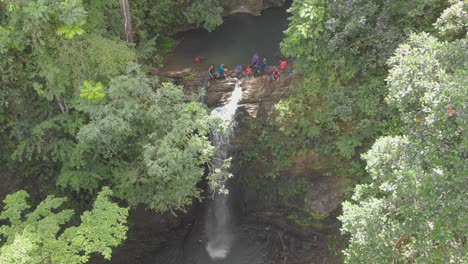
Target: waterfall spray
218,221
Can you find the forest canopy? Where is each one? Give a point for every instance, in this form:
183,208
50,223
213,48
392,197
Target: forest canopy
38,236
387,79
382,91
79,111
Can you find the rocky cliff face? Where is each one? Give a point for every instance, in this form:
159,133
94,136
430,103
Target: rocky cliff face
321,194
253,7
258,93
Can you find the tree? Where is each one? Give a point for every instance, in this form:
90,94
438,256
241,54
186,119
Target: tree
149,145
341,47
414,209
127,20
205,13
48,135
145,139
39,236
46,57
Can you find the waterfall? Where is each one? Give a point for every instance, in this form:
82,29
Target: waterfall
218,221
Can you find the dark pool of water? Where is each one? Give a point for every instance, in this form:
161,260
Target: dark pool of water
252,244
232,43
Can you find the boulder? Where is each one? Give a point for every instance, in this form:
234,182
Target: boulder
173,75
263,92
218,91
324,195
177,73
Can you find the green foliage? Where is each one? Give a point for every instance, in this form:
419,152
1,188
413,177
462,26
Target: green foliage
104,17
70,31
305,29
413,210
151,16
292,187
50,140
205,13
341,47
56,66
454,20
35,56
161,17
99,59
149,145
61,110
92,91
40,19
153,48
307,218
39,236
154,20
264,147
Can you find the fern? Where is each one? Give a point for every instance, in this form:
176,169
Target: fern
73,30
92,91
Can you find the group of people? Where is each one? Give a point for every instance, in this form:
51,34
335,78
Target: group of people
255,68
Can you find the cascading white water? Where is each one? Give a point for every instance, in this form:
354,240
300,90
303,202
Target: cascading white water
218,221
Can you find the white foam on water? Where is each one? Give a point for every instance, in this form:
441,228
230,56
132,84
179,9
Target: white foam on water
217,252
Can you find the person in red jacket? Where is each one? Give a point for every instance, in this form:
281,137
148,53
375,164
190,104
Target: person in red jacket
276,74
283,64
248,71
196,60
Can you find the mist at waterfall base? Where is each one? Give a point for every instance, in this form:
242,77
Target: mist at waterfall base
218,229
218,220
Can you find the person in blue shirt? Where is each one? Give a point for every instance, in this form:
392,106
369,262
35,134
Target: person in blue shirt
237,71
264,65
255,58
222,71
257,70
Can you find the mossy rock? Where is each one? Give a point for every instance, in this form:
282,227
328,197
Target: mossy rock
324,196
308,219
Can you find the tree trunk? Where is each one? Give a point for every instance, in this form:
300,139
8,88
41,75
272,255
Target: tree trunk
127,20
62,104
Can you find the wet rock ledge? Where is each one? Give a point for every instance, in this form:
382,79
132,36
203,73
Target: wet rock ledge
258,93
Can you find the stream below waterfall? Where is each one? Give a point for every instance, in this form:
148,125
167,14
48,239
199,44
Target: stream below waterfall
218,235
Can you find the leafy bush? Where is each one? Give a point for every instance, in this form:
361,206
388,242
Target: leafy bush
35,236
413,210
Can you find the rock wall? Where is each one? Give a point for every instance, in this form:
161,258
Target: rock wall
259,93
253,7
321,192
